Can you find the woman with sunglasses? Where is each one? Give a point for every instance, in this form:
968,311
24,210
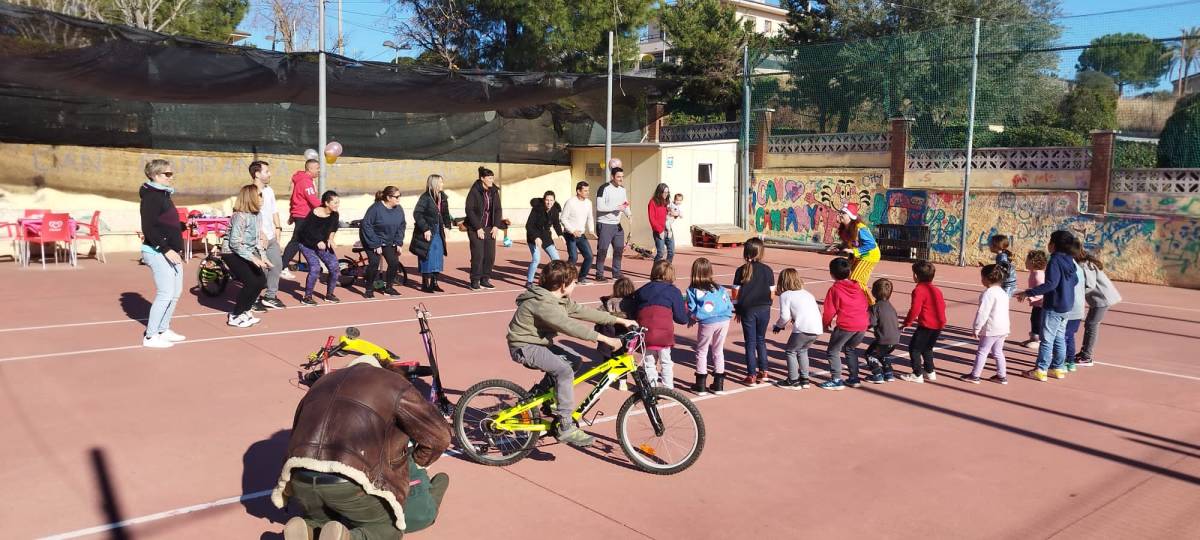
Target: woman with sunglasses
382,234
162,246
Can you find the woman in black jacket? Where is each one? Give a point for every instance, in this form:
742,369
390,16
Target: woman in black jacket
162,248
484,216
432,218
543,217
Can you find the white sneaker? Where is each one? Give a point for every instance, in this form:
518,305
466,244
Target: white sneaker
171,336
156,342
249,315
931,376
287,274
242,321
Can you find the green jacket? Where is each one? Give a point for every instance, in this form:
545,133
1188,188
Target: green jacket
541,316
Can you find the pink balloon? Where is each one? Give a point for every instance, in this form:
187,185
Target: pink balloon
333,149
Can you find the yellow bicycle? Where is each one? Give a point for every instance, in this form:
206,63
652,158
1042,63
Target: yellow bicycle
660,430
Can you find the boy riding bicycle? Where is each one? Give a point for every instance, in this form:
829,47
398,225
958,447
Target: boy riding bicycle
542,313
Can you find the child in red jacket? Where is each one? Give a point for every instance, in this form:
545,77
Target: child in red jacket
847,304
659,308
928,310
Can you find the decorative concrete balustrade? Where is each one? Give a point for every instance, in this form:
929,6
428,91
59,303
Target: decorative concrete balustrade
829,143
700,132
1041,159
1180,181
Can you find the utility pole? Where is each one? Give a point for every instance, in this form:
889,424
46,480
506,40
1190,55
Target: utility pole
962,239
608,111
341,42
321,127
744,177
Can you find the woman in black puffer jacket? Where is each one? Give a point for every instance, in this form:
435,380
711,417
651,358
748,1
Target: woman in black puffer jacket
543,218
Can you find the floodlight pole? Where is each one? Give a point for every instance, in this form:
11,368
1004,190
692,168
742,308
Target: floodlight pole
341,43
962,238
321,120
608,112
744,177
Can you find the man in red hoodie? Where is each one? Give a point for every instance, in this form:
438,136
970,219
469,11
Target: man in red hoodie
928,310
847,303
304,199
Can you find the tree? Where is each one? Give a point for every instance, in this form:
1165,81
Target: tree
1090,105
1184,53
1179,142
706,41
211,20
1130,59
444,30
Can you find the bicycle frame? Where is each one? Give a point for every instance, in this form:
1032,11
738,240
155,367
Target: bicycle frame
614,368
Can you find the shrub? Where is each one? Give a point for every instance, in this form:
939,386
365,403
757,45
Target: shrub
1033,136
1179,143
1135,155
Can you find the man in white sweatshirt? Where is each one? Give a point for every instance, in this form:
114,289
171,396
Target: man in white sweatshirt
577,220
611,202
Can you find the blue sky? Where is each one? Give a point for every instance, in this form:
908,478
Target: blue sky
366,23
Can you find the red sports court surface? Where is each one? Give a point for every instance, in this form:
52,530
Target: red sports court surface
185,443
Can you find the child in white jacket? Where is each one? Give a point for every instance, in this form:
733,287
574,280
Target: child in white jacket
797,306
991,325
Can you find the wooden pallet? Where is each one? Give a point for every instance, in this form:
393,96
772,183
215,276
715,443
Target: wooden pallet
719,235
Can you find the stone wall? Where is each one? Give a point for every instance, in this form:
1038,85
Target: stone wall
802,204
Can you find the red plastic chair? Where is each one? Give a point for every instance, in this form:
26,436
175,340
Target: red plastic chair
54,228
18,234
33,214
91,231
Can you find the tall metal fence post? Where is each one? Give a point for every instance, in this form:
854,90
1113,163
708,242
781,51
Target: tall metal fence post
962,239
744,176
322,131
608,113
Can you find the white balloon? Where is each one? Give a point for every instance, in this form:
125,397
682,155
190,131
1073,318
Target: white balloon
311,154
614,163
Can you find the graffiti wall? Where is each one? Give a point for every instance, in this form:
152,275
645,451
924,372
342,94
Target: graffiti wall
1158,204
1000,179
802,204
1143,249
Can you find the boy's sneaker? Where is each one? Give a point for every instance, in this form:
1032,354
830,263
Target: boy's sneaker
486,283
1083,360
1036,374
913,378
998,379
1071,367
156,342
931,376
308,301
970,378
853,382
258,307
792,384
331,299
889,377
251,318
272,302
241,321
576,437
391,291
171,336
763,378
750,380
831,385
1058,373
876,379
368,293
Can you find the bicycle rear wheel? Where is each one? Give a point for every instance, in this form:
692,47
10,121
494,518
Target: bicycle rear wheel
347,272
472,424
681,442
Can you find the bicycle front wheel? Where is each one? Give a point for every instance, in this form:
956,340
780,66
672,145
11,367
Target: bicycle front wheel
347,273
473,416
681,441
213,276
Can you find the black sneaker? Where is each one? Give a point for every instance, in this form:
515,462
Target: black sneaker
853,382
998,379
258,307
331,299
308,301
487,284
391,291
368,293
474,286
601,279
271,302
791,384
876,379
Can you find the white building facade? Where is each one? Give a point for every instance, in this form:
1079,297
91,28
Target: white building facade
767,17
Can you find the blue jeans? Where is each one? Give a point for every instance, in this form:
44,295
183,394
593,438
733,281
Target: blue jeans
168,279
536,253
579,245
1052,351
1072,329
754,332
664,242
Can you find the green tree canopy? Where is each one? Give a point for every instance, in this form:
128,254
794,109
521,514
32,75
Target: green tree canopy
1130,59
706,39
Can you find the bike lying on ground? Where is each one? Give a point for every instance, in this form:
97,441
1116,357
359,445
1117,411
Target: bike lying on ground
351,270
660,430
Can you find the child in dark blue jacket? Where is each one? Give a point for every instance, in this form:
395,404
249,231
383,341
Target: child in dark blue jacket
659,308
1058,297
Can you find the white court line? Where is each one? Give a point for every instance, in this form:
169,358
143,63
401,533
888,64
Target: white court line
936,281
451,451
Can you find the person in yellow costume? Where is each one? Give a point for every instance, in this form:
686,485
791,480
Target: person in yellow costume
859,244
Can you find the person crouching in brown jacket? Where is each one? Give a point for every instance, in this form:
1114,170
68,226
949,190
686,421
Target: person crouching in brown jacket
348,456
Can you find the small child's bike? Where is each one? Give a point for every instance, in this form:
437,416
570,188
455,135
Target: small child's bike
213,275
660,430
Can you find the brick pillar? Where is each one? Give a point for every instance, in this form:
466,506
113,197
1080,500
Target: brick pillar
1102,160
759,158
899,150
654,120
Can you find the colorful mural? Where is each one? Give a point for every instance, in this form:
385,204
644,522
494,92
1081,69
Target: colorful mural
1157,204
803,205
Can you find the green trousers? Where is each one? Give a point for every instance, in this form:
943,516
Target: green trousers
367,516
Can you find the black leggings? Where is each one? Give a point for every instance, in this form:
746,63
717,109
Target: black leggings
393,265
252,278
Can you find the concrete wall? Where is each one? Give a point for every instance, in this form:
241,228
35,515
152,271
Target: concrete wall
999,179
802,204
677,165
80,180
1142,249
1161,204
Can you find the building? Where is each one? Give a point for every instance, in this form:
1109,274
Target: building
768,19
1191,84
